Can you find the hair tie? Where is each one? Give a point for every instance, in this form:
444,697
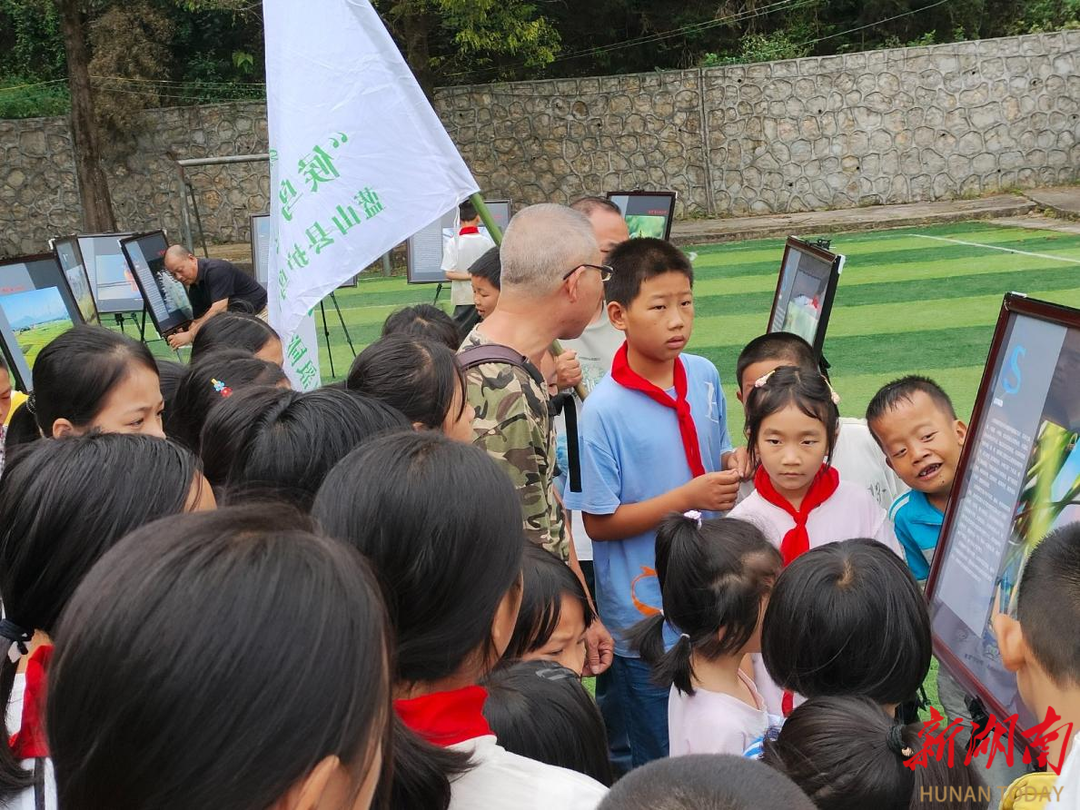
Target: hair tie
693,515
764,378
31,404
221,388
17,637
684,635
835,397
895,740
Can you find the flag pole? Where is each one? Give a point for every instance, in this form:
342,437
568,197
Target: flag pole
496,234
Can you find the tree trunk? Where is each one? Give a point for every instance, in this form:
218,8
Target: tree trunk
93,185
416,25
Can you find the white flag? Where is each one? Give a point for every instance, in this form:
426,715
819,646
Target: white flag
359,161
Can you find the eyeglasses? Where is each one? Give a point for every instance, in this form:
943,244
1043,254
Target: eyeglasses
605,271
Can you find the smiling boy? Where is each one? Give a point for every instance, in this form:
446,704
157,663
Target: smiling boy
654,440
915,424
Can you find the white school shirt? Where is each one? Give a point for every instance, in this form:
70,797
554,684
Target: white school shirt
500,779
1068,780
849,513
460,254
859,460
713,722
25,800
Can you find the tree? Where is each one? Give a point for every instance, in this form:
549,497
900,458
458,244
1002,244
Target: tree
93,185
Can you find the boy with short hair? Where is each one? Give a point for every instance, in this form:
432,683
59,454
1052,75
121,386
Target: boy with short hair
915,424
461,251
485,274
1045,656
654,440
856,455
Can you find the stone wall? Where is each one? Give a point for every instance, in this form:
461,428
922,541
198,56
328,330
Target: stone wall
890,126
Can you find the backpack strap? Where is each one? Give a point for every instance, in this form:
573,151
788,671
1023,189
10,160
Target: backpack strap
497,353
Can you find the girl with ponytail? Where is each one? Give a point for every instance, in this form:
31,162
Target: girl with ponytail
715,577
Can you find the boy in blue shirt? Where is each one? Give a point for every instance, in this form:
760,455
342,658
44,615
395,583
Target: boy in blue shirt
654,441
915,425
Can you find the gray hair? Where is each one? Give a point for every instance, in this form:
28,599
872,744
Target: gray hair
542,243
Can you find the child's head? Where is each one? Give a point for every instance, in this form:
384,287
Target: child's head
554,614
205,643
650,296
468,213
441,524
791,427
238,330
705,782
91,378
768,352
1046,660
420,378
424,321
540,710
833,611
486,272
269,443
846,752
715,577
211,380
915,424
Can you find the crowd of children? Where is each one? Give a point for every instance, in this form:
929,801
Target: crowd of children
220,592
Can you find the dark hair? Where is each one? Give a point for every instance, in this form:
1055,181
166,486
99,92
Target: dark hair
540,710
22,428
445,563
232,330
269,442
589,204
74,373
424,321
467,211
1049,599
231,370
488,266
902,390
637,260
807,390
206,642
169,375
418,377
782,346
63,504
832,612
544,580
705,782
712,578
846,752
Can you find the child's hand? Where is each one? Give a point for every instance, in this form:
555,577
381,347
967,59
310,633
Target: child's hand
713,492
567,370
739,461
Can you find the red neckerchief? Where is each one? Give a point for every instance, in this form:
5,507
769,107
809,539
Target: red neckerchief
468,229
29,741
628,378
797,541
446,718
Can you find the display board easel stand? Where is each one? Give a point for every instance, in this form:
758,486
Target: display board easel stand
326,330
438,290
119,316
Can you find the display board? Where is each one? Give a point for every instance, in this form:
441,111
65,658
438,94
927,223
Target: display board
647,213
166,298
36,305
805,288
426,247
260,237
111,281
71,262
1018,478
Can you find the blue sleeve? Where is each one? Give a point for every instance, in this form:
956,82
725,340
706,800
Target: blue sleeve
913,553
601,477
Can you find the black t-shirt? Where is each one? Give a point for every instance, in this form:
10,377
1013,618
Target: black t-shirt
218,280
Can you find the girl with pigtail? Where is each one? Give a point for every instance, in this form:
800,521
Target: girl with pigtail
715,577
